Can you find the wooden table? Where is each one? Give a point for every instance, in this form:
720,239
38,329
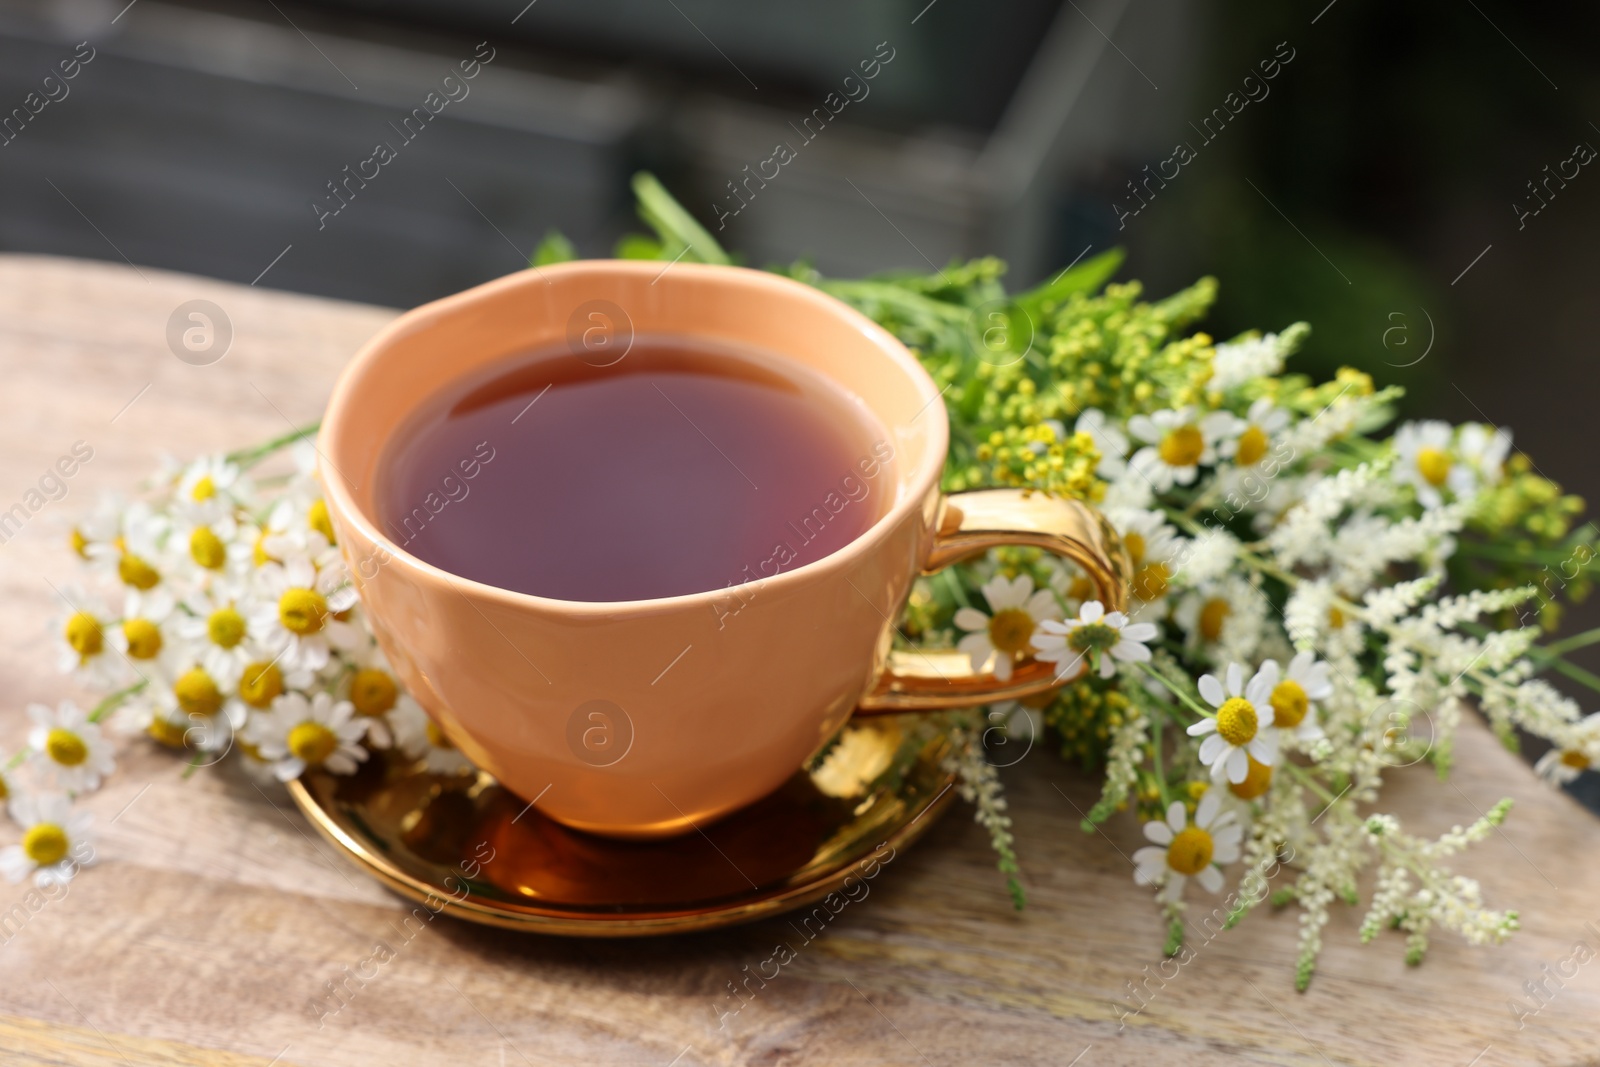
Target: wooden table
216,915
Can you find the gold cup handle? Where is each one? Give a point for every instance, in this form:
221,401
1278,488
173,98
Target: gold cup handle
971,523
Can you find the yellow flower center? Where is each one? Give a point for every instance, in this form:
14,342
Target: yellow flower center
197,693
225,627
1133,541
134,571
259,555
80,543
1182,447
165,732
1010,630
1576,760
1252,446
1081,589
45,844
207,549
144,638
312,742
65,747
204,489
1151,580
1236,721
302,611
260,684
5,788
1336,619
317,519
1190,851
373,692
1257,780
1212,615
1289,703
436,736
83,633
1434,465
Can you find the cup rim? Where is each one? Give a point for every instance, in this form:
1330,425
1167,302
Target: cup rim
921,480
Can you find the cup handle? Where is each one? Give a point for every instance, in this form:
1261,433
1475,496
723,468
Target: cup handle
971,523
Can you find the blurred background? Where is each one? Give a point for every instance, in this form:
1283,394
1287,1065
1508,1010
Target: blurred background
1405,177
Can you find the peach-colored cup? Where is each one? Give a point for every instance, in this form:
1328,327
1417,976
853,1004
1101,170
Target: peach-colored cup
648,718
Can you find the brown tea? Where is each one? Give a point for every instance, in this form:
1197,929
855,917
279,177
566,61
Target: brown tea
683,467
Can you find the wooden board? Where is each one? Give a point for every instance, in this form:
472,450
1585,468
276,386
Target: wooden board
209,930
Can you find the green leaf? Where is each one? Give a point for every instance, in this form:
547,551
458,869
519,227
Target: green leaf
555,248
1086,277
676,227
638,246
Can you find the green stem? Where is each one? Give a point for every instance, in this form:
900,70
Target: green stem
1299,774
1155,760
1576,641
1179,693
102,709
249,457
1549,658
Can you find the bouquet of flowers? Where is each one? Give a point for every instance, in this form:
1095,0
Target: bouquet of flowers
1314,603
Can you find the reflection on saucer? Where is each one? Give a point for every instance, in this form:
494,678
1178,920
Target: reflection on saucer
468,846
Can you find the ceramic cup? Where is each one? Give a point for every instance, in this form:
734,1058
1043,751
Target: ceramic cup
649,718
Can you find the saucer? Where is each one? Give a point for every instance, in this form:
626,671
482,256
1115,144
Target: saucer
464,845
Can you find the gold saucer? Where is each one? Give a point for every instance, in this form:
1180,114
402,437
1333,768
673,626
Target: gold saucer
464,845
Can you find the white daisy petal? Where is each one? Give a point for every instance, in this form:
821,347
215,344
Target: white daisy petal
1238,765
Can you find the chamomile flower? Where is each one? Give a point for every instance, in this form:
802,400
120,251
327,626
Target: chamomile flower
1094,635
210,489
56,841
1561,765
1484,449
1242,728
1184,850
299,733
377,696
1111,442
996,643
1426,460
1223,620
1294,696
1575,754
1153,548
193,711
419,737
82,647
1177,444
67,748
261,682
8,790
1257,433
297,620
95,536
135,556
144,636
216,626
218,552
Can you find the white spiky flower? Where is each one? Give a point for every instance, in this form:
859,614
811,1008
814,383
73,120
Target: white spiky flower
1184,850
1242,728
996,643
1095,638
56,841
68,749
